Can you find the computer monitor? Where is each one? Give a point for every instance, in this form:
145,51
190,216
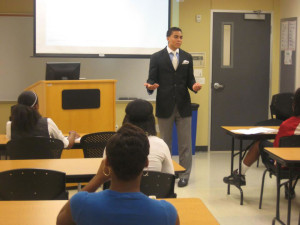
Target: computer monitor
62,70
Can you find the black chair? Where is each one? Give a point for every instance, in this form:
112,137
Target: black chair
280,109
158,184
35,148
289,141
155,183
281,106
93,144
32,184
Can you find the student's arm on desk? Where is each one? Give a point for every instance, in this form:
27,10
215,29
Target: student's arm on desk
65,216
72,138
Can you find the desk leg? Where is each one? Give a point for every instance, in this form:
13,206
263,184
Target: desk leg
289,197
231,166
240,170
278,194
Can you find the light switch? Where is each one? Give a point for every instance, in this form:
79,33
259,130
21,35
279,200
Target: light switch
198,18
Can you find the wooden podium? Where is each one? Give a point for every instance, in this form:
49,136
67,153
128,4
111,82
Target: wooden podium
83,120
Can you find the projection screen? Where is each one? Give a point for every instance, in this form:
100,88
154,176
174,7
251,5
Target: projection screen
100,28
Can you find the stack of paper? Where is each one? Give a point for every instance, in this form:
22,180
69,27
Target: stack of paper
256,130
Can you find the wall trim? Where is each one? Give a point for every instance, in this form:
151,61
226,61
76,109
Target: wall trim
203,148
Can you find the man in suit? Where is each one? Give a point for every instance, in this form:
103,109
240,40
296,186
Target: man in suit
171,73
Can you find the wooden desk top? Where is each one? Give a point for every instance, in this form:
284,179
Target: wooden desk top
286,156
178,168
72,167
191,211
230,130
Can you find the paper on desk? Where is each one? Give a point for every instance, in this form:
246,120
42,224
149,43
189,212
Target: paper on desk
256,130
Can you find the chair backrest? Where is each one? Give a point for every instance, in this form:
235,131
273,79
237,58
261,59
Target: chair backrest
290,141
155,183
32,184
34,148
281,106
93,145
159,184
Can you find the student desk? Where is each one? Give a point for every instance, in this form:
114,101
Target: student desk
77,170
290,158
191,211
230,130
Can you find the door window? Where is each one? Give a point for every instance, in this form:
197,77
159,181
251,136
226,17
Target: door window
227,45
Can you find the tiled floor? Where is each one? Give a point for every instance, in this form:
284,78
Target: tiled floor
206,183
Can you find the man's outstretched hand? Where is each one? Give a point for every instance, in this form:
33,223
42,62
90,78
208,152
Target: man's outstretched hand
151,87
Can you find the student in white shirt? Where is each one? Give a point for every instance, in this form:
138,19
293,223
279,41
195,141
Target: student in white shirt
140,113
26,121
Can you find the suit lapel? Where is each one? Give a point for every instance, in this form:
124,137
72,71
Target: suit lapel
181,58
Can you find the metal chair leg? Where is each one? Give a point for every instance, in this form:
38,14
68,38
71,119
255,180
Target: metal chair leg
242,195
262,188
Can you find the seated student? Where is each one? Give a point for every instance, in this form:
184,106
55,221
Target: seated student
289,127
140,113
26,121
123,203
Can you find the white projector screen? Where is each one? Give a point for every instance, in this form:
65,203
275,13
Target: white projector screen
100,28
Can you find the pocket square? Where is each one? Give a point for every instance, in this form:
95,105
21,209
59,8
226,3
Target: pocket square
185,62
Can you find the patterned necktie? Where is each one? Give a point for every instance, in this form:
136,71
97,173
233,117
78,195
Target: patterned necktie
174,60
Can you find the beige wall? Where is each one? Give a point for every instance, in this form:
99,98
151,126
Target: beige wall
288,9
196,39
5,113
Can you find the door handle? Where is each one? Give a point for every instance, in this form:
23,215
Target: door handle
218,86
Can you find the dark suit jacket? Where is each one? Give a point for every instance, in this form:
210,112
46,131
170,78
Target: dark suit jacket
173,85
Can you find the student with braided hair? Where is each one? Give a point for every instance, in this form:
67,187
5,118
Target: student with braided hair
26,121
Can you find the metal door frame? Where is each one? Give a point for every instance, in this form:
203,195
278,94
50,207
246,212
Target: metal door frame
211,46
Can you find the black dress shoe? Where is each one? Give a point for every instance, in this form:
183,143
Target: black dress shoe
183,182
